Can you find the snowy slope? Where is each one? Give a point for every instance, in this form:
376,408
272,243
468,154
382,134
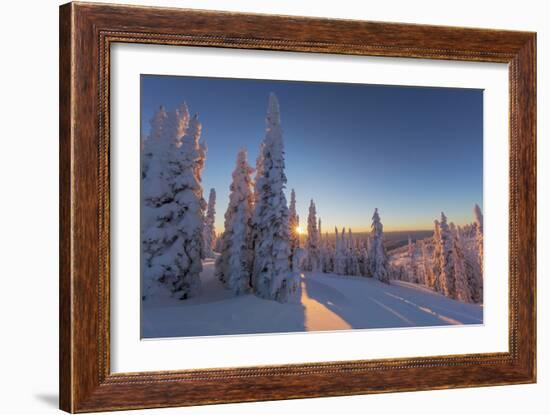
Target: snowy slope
328,302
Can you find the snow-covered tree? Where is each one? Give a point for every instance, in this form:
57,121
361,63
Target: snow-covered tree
157,217
427,266
461,284
172,214
322,247
436,259
234,265
479,234
188,209
327,255
446,259
475,279
155,193
155,187
151,144
472,242
272,276
258,183
378,258
209,230
411,277
352,255
312,240
340,253
364,258
293,225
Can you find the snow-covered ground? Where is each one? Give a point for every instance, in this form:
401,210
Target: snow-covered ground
328,302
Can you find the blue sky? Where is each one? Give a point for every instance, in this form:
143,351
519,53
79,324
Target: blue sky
412,152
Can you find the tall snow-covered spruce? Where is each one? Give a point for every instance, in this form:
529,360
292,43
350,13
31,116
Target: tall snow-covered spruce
172,214
209,230
427,269
234,265
151,145
479,234
446,259
378,258
352,263
293,226
340,252
461,281
312,241
436,282
186,165
272,277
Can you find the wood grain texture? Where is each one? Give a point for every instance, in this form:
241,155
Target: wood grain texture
86,33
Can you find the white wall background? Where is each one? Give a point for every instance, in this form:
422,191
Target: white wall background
29,189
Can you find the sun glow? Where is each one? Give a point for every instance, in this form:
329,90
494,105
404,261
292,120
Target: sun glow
300,230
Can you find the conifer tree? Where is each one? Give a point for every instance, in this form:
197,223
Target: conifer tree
378,259
272,277
364,258
312,241
209,230
151,144
479,234
234,265
293,225
258,184
187,209
436,259
411,277
426,266
340,253
327,254
461,284
322,247
353,257
161,213
446,259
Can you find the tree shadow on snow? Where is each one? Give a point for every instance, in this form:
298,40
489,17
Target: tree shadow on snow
356,303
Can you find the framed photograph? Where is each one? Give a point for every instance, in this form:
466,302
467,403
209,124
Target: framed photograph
259,207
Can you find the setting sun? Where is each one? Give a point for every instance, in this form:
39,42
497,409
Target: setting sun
300,230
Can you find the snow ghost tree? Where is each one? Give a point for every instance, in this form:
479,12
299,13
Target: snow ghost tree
234,265
293,226
322,247
209,230
352,256
327,254
426,266
157,214
378,259
479,234
446,259
172,214
461,283
152,144
364,259
312,241
473,249
272,277
186,165
412,277
340,254
436,259
258,183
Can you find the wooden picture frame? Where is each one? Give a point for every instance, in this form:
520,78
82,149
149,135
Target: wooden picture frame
86,33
